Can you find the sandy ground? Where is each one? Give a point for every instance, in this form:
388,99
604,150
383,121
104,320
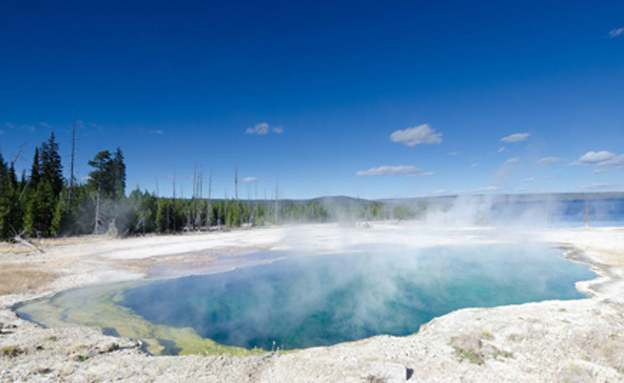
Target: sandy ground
553,341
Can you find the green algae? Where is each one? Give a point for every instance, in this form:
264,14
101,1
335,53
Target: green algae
98,307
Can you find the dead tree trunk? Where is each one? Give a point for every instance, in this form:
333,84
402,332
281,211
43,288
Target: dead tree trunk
71,172
96,226
18,238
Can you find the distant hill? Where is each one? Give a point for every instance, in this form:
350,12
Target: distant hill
341,201
502,198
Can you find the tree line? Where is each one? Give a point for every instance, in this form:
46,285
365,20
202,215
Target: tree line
45,204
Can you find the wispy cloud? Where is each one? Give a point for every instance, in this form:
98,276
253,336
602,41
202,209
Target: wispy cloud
403,170
615,161
516,137
250,179
616,32
602,158
475,165
13,126
549,160
530,179
157,131
262,128
45,124
511,161
421,134
599,171
502,149
453,153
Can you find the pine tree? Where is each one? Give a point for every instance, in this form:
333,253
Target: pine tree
35,171
41,210
162,215
233,215
100,179
5,204
51,167
119,175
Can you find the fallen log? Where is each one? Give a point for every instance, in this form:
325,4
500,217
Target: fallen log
24,242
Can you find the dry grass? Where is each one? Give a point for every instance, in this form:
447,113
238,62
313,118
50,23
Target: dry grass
11,351
12,248
22,278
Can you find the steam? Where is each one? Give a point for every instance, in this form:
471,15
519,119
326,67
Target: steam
322,300
517,211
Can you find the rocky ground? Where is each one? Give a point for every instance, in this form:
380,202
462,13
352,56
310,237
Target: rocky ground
554,341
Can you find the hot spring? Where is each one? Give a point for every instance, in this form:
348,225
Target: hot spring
320,300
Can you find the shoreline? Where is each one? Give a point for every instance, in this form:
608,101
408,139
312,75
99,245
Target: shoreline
438,334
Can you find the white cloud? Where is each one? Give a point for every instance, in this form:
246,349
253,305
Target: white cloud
602,186
453,153
593,158
422,134
615,161
599,171
410,171
474,166
530,179
516,137
549,160
616,32
45,124
250,179
511,161
502,149
12,126
262,128
157,131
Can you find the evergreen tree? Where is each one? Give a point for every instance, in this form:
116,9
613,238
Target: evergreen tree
233,218
35,171
101,178
119,175
162,215
41,210
51,167
5,203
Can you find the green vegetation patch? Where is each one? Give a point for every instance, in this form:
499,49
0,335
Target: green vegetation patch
11,351
98,307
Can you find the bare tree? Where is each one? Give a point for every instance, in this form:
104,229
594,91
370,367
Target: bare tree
276,202
96,228
209,205
71,171
236,182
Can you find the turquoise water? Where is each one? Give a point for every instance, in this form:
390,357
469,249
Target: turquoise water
324,300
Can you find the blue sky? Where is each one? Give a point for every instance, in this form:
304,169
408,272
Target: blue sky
366,99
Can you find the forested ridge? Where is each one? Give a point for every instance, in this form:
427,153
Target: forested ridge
44,203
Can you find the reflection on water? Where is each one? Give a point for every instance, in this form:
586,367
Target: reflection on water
320,300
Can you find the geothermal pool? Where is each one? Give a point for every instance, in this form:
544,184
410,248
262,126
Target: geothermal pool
307,301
